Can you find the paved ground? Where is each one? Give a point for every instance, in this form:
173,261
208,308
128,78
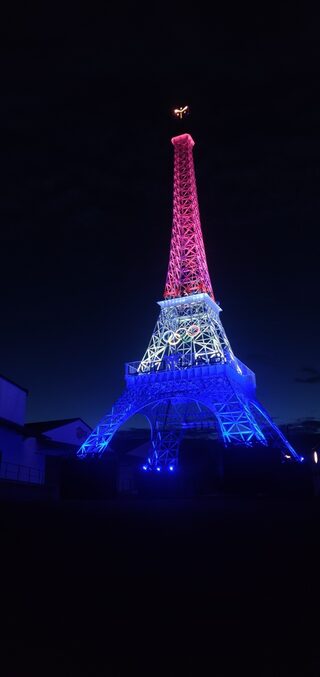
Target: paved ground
200,586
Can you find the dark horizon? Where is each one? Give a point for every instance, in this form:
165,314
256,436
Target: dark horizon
87,188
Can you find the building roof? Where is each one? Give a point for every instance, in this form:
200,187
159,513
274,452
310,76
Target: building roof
9,380
39,427
4,422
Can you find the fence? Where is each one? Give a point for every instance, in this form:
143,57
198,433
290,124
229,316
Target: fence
21,473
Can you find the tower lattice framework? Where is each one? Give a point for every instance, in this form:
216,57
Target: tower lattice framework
188,377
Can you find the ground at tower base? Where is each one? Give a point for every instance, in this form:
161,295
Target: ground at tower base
220,585
206,468
215,573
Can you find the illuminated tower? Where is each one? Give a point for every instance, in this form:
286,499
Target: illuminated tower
189,377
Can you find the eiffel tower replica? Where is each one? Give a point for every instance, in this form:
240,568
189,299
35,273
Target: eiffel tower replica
189,378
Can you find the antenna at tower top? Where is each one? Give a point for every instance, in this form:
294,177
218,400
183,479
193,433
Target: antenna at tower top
181,112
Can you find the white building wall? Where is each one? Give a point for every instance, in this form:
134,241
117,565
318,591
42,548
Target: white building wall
19,458
13,401
71,433
10,444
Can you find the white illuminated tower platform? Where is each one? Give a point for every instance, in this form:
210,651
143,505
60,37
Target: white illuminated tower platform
189,378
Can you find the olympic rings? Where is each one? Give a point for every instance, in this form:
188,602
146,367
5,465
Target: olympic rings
174,337
193,331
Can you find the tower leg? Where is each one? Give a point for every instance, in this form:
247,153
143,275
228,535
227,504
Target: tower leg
273,434
164,454
236,423
165,437
129,403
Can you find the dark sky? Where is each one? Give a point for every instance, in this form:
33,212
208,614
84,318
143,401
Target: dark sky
86,193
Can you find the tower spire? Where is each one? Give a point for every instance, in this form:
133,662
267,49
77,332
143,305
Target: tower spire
188,270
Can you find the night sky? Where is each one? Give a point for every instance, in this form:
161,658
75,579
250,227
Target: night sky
86,194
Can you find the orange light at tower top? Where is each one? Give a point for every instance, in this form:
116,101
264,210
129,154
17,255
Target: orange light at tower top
181,112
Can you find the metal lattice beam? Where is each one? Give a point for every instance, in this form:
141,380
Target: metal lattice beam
188,270
188,332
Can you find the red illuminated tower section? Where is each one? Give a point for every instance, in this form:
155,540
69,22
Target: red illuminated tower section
188,270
